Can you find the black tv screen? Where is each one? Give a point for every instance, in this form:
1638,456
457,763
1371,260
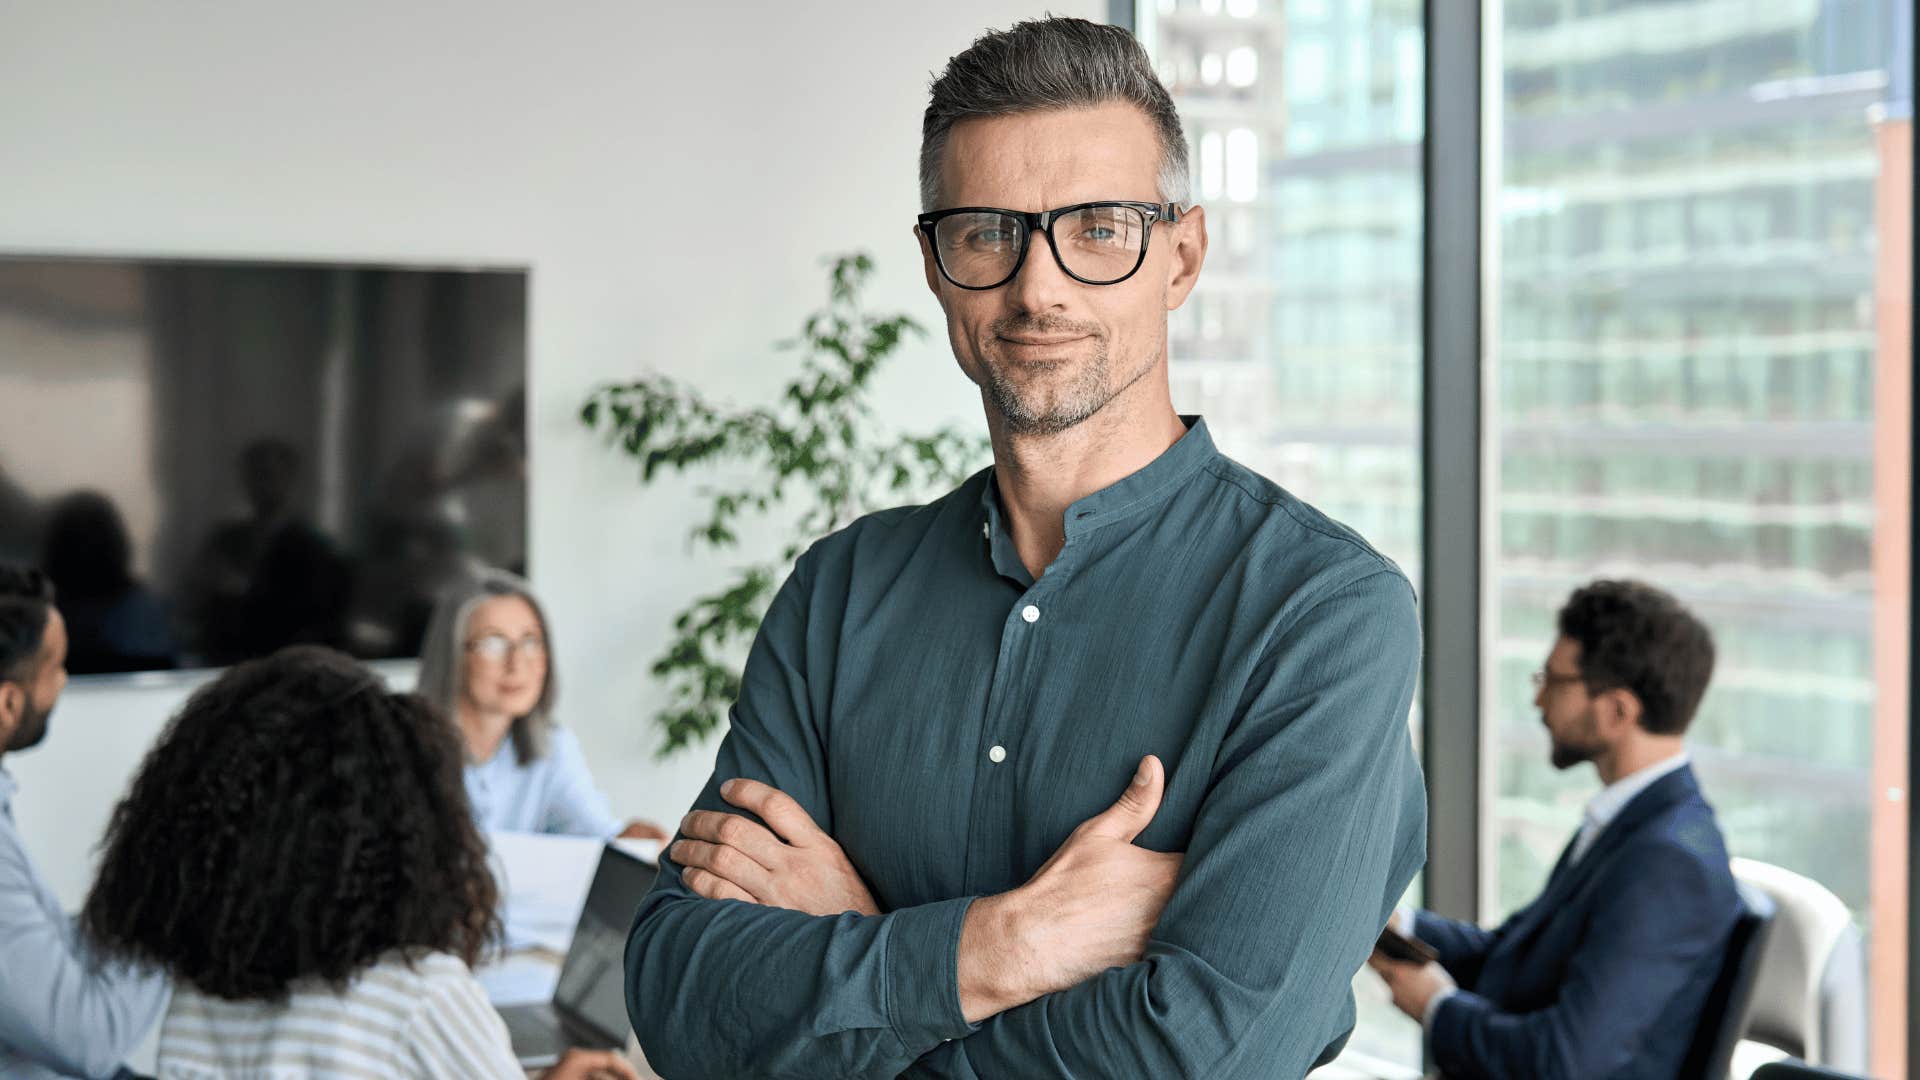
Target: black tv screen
213,460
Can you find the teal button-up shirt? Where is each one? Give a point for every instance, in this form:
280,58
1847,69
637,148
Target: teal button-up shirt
949,720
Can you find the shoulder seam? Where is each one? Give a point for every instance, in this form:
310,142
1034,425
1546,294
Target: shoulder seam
1283,505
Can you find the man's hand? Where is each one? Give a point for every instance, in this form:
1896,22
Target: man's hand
1088,908
793,865
1413,985
644,830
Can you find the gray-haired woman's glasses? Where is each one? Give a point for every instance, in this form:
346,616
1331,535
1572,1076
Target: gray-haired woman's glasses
496,647
1098,243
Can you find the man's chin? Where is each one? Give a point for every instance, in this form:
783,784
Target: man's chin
1566,757
27,736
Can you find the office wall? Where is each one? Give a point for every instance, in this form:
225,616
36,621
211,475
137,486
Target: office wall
672,173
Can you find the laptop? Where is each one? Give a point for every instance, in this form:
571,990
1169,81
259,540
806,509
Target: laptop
589,1006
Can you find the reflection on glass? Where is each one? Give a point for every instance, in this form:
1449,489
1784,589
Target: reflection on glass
1687,358
223,458
1302,343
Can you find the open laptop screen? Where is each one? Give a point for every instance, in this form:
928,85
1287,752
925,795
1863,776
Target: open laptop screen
592,986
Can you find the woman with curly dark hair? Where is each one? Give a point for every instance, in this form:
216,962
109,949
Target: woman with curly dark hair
297,853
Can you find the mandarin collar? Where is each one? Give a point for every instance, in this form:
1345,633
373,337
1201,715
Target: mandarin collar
1141,490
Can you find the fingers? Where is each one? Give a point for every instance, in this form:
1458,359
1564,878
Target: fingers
644,830
722,861
755,841
773,806
714,887
1126,818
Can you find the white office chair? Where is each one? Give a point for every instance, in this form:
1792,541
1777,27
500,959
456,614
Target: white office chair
1810,998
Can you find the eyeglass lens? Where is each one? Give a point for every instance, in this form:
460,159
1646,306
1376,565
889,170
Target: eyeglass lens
1098,244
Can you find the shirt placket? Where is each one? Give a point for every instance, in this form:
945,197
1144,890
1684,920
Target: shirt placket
1010,704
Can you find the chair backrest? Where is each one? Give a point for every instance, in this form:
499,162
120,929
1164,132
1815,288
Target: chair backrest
1723,1018
1809,998
1798,1070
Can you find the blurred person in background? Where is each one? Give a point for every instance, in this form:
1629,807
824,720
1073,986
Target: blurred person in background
114,622
272,578
1605,974
487,664
62,1013
339,894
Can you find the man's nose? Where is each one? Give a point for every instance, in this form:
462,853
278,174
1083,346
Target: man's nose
1040,284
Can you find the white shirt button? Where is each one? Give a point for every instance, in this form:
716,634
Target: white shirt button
997,755
1030,613
986,531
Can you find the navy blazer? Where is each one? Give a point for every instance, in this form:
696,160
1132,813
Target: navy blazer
1604,975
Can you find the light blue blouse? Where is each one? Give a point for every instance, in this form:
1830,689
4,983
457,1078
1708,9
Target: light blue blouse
555,794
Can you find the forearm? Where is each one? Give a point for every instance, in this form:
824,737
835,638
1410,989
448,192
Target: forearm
728,989
59,1009
1462,945
1170,1014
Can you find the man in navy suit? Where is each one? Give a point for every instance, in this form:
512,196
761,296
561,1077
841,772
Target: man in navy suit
1604,975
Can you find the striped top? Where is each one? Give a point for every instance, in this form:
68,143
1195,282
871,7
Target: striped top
393,1022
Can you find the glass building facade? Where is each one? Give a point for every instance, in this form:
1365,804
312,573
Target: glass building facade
1682,362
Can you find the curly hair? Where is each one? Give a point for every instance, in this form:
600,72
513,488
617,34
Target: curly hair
1635,637
295,820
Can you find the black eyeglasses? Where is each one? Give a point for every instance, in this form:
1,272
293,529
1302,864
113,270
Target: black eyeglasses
1096,243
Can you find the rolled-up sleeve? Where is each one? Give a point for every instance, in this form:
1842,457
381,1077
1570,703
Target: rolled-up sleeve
1314,826
721,988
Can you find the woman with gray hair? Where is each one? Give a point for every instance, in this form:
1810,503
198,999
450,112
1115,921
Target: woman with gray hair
486,663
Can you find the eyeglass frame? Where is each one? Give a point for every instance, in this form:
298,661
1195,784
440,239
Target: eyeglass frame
1041,221
528,647
1544,679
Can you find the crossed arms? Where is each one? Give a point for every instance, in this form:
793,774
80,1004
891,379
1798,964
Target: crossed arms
761,953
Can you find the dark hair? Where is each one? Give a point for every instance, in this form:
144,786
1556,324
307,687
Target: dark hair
26,597
1635,637
295,820
1050,63
87,550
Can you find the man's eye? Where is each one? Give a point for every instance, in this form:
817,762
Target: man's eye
1100,233
990,238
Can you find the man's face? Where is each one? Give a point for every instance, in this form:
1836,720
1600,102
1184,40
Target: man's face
32,700
1567,709
1048,351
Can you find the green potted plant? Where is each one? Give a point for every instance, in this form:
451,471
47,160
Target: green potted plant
816,453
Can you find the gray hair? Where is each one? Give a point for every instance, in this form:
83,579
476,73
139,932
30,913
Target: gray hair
443,656
1046,64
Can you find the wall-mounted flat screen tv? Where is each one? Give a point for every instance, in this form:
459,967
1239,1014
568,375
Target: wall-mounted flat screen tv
212,460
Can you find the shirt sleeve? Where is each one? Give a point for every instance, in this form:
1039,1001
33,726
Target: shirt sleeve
721,988
1643,948
1315,825
58,1005
575,804
456,1035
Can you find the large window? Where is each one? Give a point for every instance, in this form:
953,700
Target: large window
1302,344
1692,215
1696,362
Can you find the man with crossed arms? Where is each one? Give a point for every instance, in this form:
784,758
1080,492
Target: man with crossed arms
933,876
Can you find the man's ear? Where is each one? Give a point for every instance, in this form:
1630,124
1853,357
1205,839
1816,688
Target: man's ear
1189,251
1618,710
926,260
13,700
